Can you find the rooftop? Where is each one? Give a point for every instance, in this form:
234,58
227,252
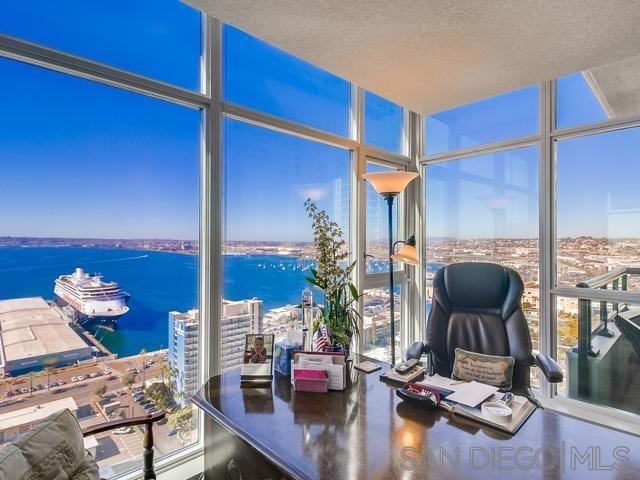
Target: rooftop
30,327
28,415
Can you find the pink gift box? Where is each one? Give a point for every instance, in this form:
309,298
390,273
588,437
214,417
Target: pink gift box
308,380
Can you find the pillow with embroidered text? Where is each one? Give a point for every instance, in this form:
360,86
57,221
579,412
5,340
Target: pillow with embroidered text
490,369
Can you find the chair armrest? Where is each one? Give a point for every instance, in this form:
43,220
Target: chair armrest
549,367
125,422
416,351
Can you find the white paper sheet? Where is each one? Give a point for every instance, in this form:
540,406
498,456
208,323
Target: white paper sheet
472,394
442,382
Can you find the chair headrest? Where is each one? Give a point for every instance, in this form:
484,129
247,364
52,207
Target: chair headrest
476,286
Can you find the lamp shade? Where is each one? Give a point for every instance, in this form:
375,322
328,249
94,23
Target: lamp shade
390,183
407,254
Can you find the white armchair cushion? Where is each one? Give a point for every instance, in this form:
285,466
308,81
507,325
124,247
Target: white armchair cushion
52,450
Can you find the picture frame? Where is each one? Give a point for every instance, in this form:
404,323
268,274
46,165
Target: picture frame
257,361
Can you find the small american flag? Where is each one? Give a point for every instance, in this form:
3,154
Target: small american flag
322,343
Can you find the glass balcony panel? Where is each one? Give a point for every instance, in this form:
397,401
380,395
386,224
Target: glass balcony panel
599,352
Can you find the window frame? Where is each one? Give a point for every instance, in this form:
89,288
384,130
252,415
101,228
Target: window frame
401,276
189,458
413,158
404,127
549,291
213,110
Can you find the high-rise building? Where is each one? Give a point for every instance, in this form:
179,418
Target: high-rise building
183,351
238,319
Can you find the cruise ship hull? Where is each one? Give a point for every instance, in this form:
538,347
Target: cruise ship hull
106,318
88,299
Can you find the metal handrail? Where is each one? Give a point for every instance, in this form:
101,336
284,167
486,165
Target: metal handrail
607,278
618,279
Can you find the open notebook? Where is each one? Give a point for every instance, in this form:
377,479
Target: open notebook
521,407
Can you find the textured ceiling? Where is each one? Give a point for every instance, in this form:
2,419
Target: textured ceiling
617,86
431,55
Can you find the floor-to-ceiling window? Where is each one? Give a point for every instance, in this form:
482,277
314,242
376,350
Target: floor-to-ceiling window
268,248
482,205
376,307
100,220
484,208
386,130
553,197
596,274
269,172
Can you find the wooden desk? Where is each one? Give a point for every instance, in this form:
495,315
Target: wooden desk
366,432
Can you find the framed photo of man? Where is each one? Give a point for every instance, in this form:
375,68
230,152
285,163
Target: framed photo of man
257,361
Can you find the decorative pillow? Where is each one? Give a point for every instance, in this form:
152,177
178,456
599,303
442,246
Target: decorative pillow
490,369
52,450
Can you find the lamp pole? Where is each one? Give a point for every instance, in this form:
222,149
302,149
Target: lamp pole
390,185
392,320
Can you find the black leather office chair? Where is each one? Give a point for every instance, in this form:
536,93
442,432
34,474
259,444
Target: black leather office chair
476,307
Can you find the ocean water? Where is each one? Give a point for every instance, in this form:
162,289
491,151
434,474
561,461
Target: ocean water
157,281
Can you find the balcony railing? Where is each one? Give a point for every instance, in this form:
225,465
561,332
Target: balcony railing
618,280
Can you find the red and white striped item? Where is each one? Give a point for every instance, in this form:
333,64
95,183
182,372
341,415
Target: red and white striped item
322,342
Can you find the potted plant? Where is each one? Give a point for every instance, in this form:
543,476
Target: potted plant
332,275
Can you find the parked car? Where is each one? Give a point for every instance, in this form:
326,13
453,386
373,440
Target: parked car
106,371
61,382
40,387
81,377
24,390
93,375
74,379
122,430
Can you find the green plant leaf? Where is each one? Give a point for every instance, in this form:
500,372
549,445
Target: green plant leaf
354,291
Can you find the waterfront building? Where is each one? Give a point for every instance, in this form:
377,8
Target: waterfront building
238,319
35,335
15,422
183,352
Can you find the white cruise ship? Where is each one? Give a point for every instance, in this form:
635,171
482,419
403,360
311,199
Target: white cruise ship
90,297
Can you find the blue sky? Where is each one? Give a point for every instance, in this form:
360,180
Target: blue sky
87,160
